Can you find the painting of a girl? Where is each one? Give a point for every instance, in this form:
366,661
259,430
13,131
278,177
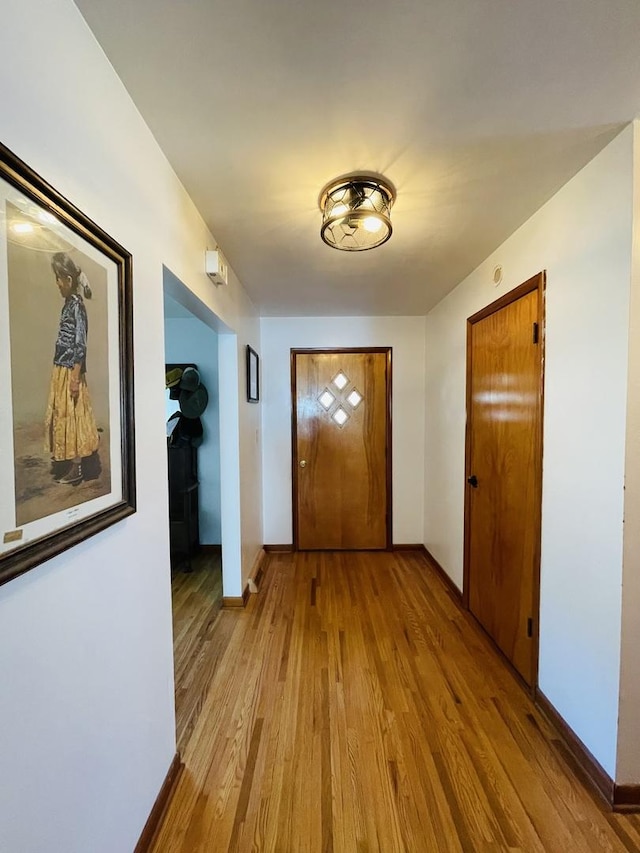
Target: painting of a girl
66,358
71,434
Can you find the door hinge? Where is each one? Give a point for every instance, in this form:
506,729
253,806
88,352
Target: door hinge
529,627
536,333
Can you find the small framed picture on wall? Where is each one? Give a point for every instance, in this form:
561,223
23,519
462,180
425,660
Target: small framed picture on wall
253,375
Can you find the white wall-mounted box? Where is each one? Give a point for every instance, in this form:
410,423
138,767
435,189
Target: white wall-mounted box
215,267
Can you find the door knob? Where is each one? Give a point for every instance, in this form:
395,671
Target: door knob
303,463
473,481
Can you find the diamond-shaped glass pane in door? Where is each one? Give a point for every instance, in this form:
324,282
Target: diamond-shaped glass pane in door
326,399
354,398
340,381
340,416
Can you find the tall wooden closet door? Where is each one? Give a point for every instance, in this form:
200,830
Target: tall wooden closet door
504,476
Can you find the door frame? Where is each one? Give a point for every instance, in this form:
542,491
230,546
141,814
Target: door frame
537,282
294,430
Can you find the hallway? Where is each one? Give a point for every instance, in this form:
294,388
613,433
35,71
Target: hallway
356,708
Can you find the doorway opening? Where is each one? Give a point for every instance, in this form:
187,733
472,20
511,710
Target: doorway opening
199,368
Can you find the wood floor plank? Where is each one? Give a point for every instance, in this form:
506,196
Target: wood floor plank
353,707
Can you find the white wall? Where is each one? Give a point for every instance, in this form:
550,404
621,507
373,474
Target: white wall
239,436
251,453
190,340
406,336
628,770
582,237
86,708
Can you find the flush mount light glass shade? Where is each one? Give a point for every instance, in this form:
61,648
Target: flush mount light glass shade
356,213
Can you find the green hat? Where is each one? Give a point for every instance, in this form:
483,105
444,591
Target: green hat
173,377
193,403
190,379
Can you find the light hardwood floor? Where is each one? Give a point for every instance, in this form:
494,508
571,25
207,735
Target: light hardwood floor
197,646
353,707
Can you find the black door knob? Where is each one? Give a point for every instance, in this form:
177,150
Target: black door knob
473,481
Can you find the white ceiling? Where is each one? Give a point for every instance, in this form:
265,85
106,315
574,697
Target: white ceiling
476,110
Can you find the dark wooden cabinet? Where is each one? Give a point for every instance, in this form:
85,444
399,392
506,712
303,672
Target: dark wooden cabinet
183,503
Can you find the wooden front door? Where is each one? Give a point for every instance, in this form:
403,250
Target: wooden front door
341,448
504,472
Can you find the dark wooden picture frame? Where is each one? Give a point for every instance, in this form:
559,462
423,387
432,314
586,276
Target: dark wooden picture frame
44,511
253,375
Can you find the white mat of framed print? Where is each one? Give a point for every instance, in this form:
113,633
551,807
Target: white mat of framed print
66,366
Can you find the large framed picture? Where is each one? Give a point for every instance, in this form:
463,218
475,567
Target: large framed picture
67,465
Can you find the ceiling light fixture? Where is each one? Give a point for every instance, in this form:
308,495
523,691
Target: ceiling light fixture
356,212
